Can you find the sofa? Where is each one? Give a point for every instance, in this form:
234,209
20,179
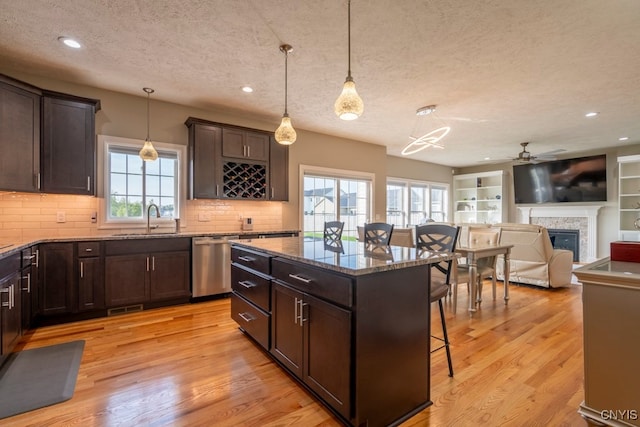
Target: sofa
533,260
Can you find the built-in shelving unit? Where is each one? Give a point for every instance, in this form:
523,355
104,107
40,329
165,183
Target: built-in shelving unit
479,198
629,197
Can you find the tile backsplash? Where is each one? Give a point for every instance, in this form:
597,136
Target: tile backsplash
30,216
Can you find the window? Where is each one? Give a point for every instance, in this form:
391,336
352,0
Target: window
131,185
413,202
332,195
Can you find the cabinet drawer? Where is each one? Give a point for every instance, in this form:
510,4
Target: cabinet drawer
320,283
251,319
253,287
86,249
254,260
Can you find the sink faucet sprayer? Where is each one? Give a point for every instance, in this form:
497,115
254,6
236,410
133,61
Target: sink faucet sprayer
152,205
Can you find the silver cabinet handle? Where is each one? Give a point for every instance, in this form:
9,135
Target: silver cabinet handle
302,319
246,258
28,288
12,294
88,183
217,189
300,278
37,258
38,181
153,263
147,263
8,292
246,317
88,250
273,194
81,270
295,311
247,284
248,151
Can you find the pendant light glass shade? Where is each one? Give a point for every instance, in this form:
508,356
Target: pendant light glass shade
148,153
349,105
285,134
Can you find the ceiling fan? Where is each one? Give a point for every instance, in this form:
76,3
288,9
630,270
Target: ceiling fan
526,157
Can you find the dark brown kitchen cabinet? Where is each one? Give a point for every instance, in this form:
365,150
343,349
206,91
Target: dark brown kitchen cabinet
29,286
312,338
147,271
56,291
245,144
205,145
169,275
233,162
10,304
90,276
278,171
68,144
19,135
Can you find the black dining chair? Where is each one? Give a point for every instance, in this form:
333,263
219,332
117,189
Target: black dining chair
378,233
439,238
333,230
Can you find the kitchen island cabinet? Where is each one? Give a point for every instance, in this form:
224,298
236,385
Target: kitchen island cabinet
10,305
57,282
352,328
610,298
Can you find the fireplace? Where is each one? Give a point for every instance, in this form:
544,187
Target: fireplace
566,239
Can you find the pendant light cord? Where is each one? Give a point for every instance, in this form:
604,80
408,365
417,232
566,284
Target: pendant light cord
148,98
349,34
286,68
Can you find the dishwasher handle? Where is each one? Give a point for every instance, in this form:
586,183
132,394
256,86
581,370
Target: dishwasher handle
210,241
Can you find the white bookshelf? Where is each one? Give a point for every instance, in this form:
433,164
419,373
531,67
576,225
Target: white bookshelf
479,198
629,197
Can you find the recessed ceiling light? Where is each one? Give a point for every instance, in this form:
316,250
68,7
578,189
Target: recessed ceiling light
247,89
70,42
487,158
591,114
623,138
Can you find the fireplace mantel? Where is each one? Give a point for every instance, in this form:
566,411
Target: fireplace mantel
590,212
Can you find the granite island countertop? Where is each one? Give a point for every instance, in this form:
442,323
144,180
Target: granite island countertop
348,257
9,247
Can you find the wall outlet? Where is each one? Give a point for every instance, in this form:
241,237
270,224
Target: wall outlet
61,217
204,216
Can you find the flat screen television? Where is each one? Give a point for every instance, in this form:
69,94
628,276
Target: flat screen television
582,179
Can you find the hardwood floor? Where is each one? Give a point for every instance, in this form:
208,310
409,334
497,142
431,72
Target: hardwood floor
515,365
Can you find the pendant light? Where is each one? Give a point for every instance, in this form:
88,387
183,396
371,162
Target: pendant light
148,153
285,134
349,105
424,137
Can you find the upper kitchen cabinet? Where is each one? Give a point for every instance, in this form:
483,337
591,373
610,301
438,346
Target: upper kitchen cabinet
278,171
68,144
19,135
232,162
242,144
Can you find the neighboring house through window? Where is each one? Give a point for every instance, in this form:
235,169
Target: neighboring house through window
410,203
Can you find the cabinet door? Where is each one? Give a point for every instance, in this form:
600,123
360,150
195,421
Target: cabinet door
237,143
90,284
257,146
57,281
204,161
327,352
126,280
286,327
10,309
278,171
19,138
169,275
68,146
27,291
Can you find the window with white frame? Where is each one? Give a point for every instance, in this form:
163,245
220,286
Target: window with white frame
414,202
130,185
335,195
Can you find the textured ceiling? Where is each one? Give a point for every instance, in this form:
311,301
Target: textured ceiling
500,71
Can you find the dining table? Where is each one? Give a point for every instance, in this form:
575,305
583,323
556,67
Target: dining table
473,254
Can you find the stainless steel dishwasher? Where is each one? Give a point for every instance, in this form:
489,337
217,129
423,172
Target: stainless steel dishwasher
211,266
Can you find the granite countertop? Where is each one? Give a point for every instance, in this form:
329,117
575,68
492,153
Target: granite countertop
8,248
606,272
349,257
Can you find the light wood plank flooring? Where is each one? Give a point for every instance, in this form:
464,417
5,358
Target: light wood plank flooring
515,365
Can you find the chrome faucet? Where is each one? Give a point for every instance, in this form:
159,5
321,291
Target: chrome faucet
152,205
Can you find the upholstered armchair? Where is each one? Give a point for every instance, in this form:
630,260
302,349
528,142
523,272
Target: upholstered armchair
533,259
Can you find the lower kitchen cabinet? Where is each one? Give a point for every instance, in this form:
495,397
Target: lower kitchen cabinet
10,304
135,275
312,338
56,291
90,277
29,286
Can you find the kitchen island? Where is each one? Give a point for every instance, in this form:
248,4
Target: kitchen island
350,322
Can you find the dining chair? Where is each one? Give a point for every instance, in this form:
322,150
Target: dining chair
486,267
378,233
333,230
439,238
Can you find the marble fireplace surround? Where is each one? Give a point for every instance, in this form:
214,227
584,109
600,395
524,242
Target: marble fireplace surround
582,218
